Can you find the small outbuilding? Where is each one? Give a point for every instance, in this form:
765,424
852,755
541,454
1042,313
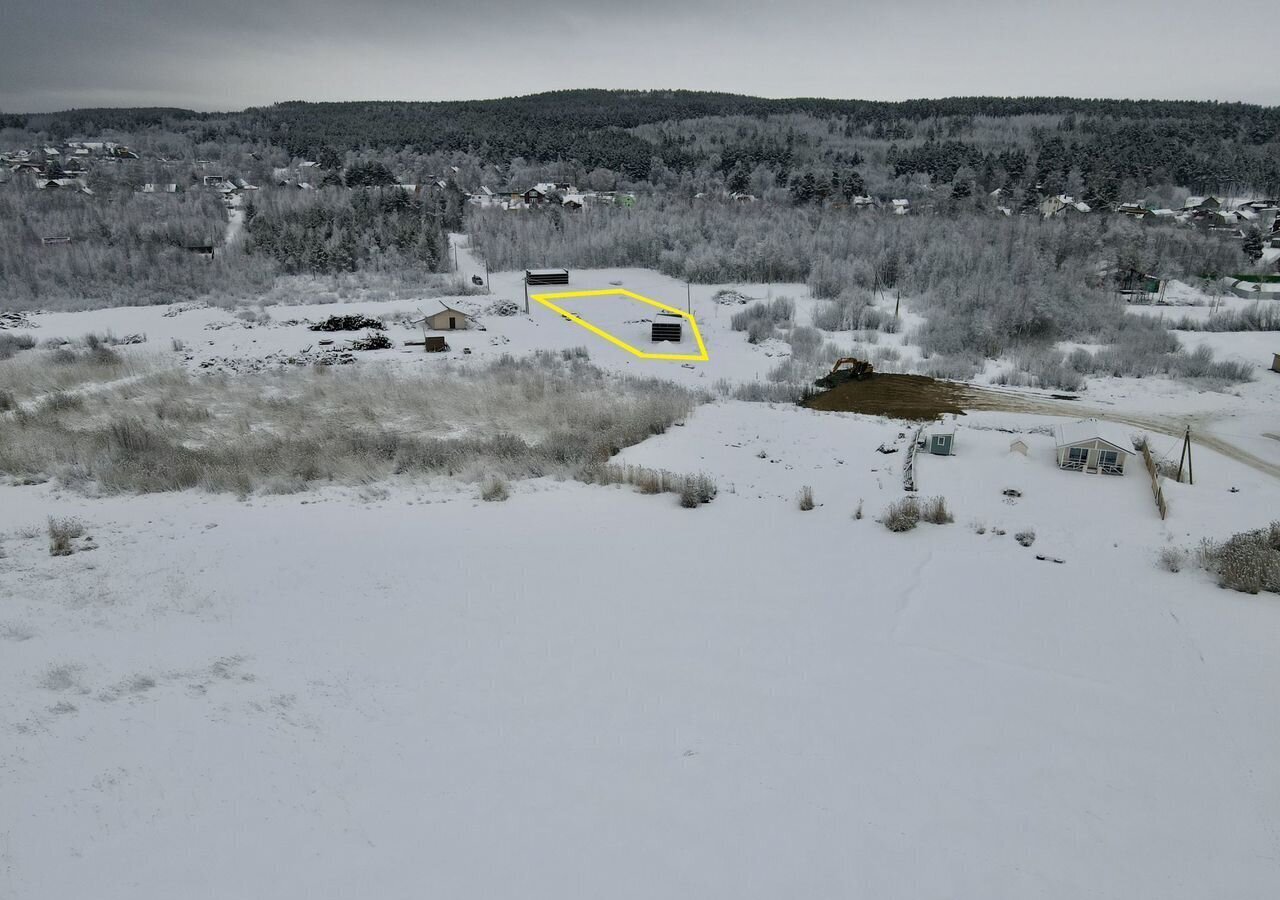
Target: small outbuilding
667,327
1018,445
1092,446
445,319
1275,362
941,441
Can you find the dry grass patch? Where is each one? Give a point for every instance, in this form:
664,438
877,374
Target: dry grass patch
36,373
512,419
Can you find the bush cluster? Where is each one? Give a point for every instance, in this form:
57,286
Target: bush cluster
1248,561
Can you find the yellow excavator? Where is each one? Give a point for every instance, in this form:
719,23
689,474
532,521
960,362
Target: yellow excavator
847,368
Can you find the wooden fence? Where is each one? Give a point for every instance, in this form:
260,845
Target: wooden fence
909,462
1156,489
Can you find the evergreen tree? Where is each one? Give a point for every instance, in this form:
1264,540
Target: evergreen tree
328,158
854,186
1253,245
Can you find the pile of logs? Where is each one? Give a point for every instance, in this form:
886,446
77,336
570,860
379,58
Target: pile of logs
15,320
374,340
348,323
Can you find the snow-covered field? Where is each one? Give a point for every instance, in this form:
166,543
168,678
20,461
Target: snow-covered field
397,690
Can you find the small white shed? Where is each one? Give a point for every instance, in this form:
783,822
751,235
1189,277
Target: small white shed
1092,446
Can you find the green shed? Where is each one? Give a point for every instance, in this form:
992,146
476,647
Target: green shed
942,441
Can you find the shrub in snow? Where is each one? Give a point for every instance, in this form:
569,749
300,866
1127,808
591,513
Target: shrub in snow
696,490
852,311
759,319
857,512
934,510
7,401
1259,317
61,401
12,344
1026,538
805,342
61,533
1172,559
956,367
806,498
901,515
1249,561
758,331
494,489
762,392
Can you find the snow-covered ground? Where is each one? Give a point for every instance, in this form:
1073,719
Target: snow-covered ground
588,692
400,691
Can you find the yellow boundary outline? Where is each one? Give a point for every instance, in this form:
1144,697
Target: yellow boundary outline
700,356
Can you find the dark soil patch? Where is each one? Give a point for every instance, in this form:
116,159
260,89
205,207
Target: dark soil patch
915,397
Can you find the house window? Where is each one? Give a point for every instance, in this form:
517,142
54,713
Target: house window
1109,460
1077,457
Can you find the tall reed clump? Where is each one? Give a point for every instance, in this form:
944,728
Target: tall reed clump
904,514
693,490
805,500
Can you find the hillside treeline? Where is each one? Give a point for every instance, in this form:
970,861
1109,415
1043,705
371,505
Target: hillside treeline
337,230
1204,147
129,249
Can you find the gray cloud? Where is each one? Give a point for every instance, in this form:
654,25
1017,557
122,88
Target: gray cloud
234,53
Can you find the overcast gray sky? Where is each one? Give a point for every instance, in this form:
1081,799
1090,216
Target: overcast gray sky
228,54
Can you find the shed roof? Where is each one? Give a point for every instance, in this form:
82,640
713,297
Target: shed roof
1086,430
443,308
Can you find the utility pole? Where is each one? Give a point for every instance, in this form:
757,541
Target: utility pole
688,298
1186,458
526,294
897,304
486,275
